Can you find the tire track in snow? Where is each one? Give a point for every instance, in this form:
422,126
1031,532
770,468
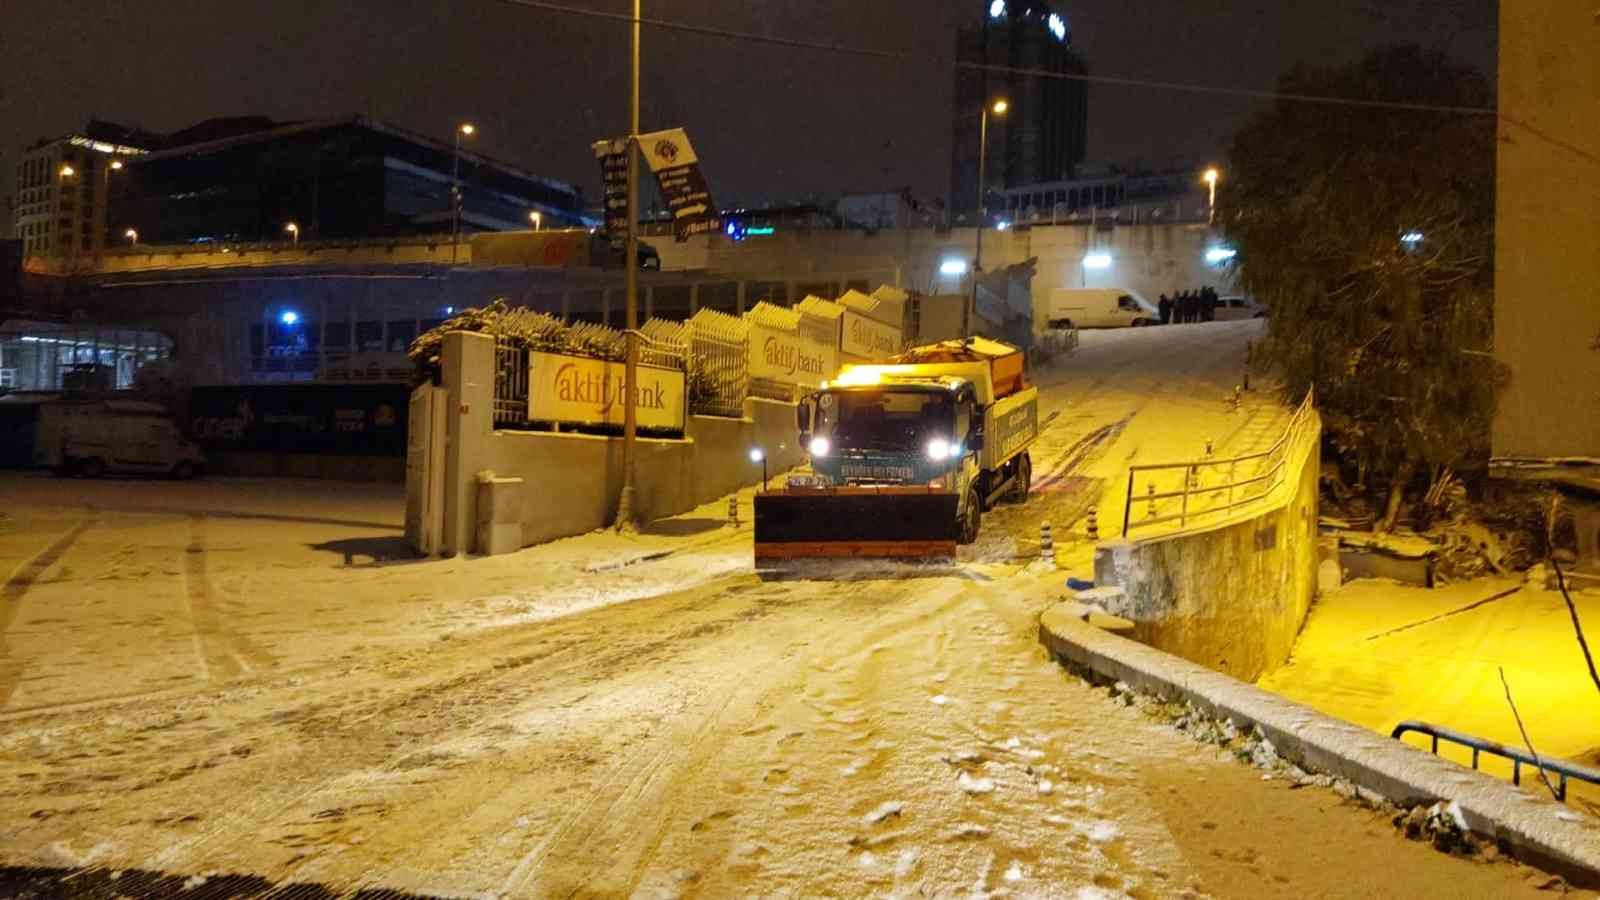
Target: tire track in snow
223,653
11,596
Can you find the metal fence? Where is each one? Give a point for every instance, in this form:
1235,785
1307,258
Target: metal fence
1516,755
510,381
1187,492
719,363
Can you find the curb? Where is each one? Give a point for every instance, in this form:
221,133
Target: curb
1538,830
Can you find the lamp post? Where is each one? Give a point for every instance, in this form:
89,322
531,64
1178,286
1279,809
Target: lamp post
630,410
465,129
132,234
760,456
294,233
67,171
1210,178
536,219
999,107
114,165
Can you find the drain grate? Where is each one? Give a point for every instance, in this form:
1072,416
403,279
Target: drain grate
34,883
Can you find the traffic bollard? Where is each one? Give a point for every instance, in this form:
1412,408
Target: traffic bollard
733,510
1094,525
1047,544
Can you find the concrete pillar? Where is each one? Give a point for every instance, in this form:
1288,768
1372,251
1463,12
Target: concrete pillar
467,370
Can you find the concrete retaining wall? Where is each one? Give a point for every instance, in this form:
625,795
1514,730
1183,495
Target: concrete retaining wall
572,482
260,463
1539,830
1233,596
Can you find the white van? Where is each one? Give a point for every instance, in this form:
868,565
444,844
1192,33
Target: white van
100,437
1099,308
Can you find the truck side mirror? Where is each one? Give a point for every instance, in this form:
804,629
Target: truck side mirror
802,416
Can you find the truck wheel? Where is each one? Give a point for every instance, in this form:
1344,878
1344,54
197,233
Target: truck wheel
183,471
93,467
1022,480
971,515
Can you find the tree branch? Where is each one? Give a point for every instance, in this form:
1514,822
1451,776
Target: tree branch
1577,626
1525,739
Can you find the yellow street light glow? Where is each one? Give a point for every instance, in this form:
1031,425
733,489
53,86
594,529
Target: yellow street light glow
857,376
1000,107
468,129
68,171
116,164
132,235
1211,176
292,228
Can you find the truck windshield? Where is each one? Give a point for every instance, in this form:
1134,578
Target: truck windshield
885,419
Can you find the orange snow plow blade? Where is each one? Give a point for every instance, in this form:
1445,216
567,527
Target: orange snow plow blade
855,523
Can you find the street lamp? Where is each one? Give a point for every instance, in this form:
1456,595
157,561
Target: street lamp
536,219
465,129
999,107
1210,178
132,234
294,232
757,455
114,165
67,171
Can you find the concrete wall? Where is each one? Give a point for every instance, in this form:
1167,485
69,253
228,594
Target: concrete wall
1232,596
572,482
1151,259
265,464
1547,231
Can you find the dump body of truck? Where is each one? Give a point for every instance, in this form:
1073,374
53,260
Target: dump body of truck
905,456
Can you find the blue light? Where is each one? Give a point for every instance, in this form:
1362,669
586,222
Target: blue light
997,9
289,317
1411,237
449,310
1216,256
1057,26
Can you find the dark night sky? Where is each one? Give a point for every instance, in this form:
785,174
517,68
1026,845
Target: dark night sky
767,121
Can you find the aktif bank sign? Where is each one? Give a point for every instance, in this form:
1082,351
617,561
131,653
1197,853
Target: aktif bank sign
785,356
578,390
867,338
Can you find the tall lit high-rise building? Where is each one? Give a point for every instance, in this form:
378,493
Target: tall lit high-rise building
1043,134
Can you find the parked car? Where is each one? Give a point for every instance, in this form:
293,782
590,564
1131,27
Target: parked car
1235,307
1099,308
92,438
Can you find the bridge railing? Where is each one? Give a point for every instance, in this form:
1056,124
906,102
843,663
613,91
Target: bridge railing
1517,755
1198,489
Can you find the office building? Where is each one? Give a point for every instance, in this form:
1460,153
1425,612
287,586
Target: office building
335,179
1042,135
63,185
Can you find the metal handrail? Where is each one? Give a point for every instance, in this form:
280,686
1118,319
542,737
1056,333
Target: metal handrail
1191,469
1517,755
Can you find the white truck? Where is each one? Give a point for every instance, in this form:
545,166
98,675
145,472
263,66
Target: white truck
101,437
1099,308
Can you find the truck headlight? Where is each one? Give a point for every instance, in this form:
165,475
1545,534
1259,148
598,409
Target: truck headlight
820,446
939,449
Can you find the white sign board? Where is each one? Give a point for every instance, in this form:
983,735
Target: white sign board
582,391
789,357
866,338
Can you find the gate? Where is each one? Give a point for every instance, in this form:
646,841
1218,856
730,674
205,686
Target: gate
425,470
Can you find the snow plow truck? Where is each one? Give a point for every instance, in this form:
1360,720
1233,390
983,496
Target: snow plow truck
905,456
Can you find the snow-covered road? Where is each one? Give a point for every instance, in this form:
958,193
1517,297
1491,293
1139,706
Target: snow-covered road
249,677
